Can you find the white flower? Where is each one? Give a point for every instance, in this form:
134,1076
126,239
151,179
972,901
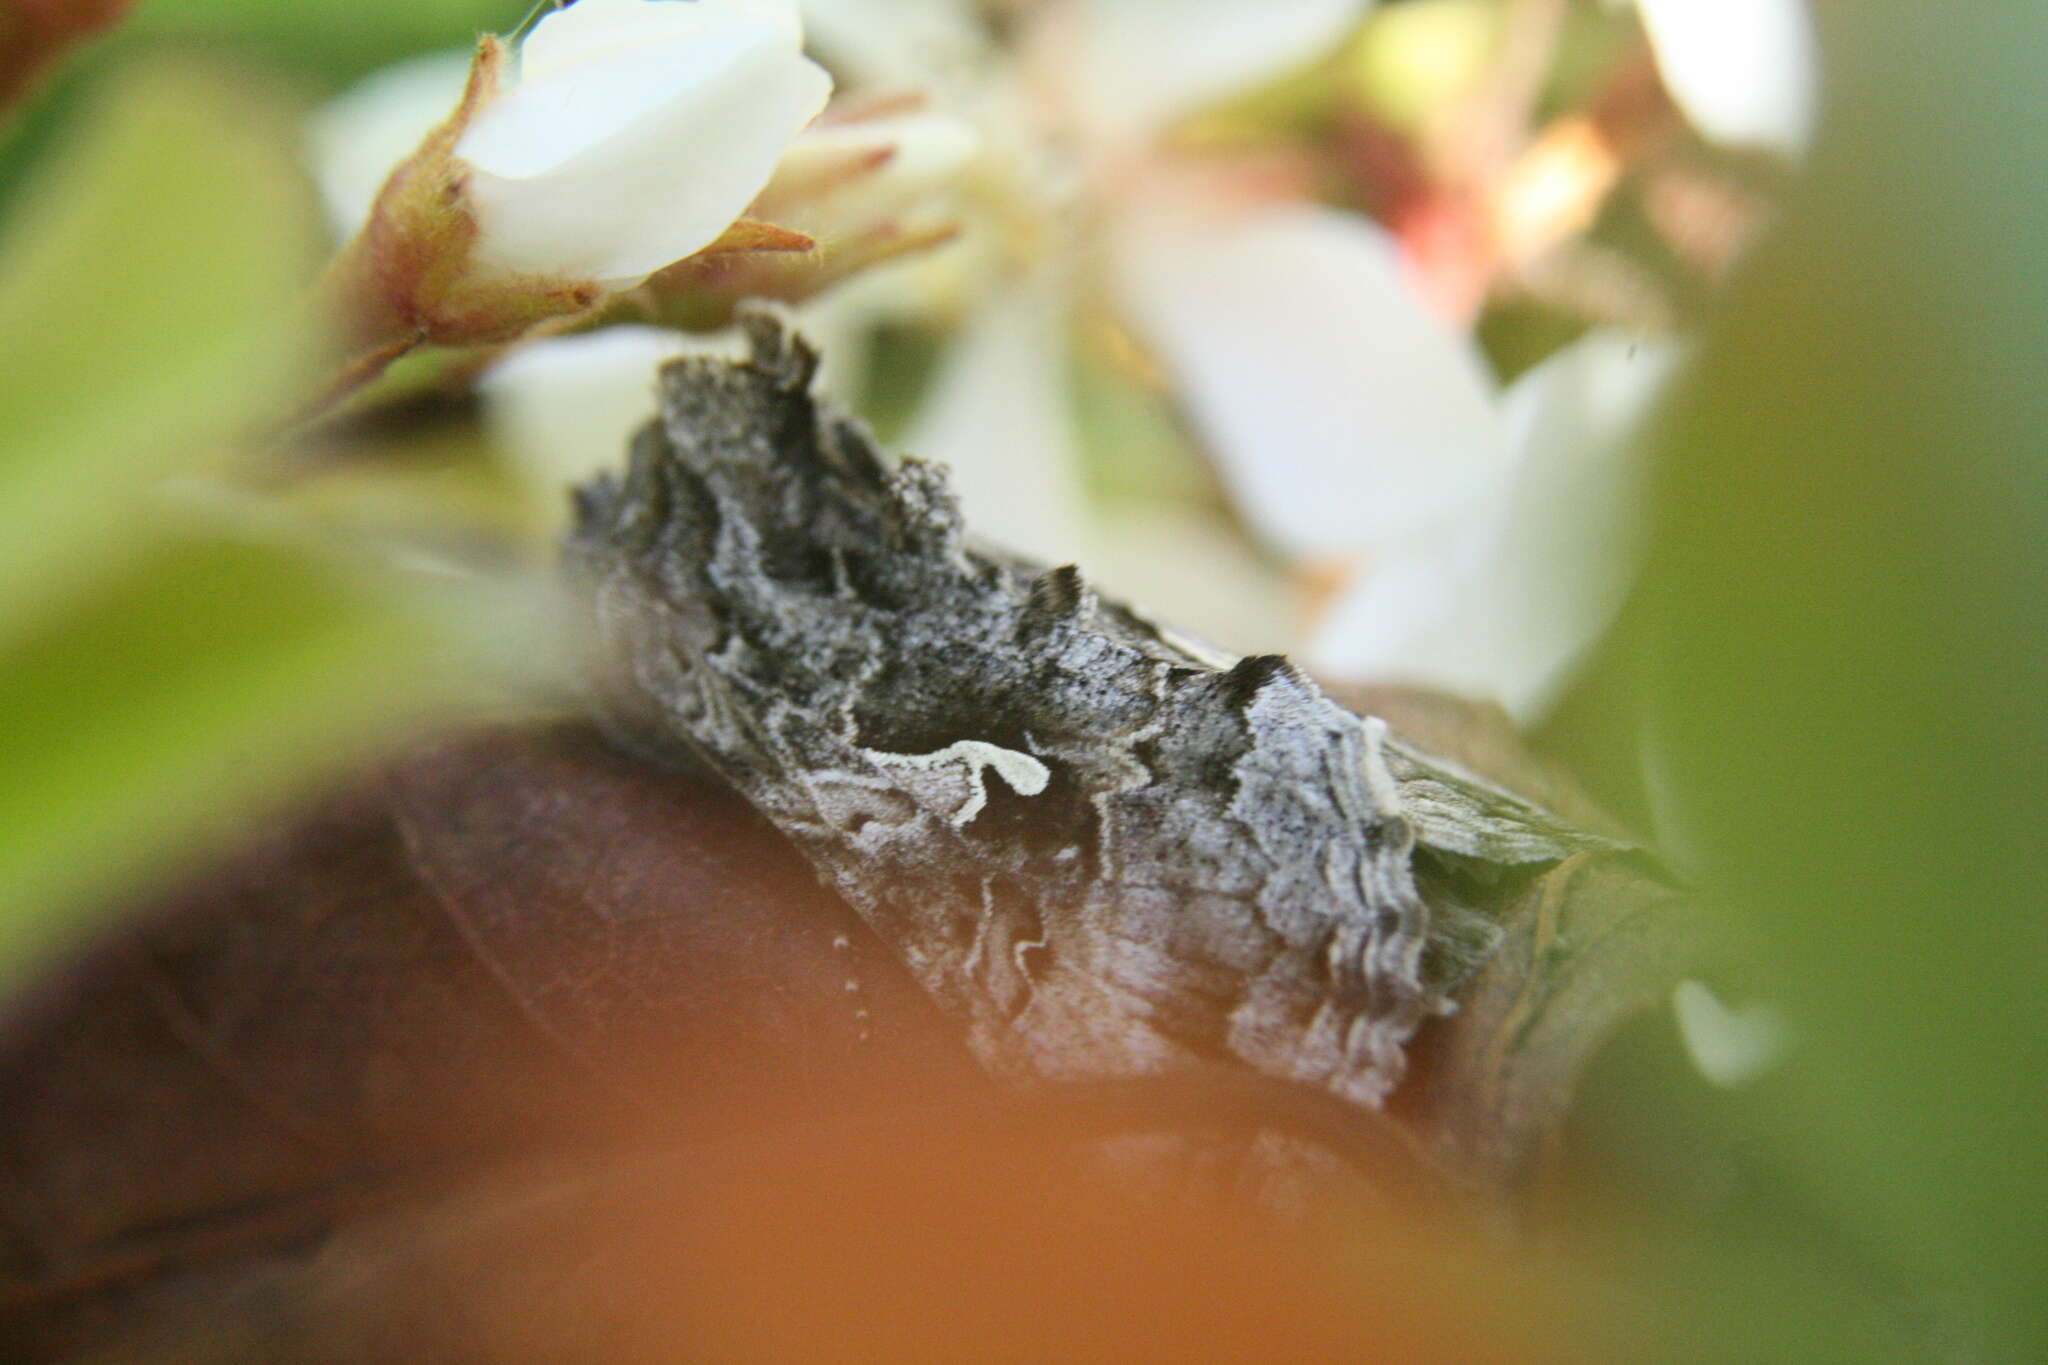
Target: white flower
1352,425
903,44
1291,332
634,133
1744,71
1340,410
565,408
1494,536
1135,65
997,415
1500,596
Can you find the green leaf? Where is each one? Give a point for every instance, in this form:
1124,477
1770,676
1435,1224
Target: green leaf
150,302
198,681
1852,596
151,310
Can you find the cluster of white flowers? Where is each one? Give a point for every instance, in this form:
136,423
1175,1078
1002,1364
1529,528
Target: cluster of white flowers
1486,535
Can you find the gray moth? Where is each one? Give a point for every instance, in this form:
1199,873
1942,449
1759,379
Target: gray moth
1103,848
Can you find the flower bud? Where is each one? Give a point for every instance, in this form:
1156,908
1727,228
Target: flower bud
864,185
850,173
633,134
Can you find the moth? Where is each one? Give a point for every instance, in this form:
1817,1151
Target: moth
420,1071
1105,849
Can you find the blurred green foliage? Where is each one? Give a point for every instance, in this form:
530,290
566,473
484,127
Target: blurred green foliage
146,287
1849,605
154,672
332,40
318,45
203,677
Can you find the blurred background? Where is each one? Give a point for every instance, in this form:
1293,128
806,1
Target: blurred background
1666,373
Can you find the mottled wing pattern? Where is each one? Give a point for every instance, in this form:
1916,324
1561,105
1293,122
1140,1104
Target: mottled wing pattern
1106,851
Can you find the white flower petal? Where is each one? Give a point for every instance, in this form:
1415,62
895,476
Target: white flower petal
540,123
785,15
357,138
613,159
1192,571
1342,413
910,44
1744,71
1417,613
1505,594
998,417
1729,1047
928,151
599,30
1141,63
565,408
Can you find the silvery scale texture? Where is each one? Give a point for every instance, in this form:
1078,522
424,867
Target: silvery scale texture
1103,848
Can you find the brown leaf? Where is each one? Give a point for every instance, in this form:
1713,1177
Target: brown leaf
504,945
521,1050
